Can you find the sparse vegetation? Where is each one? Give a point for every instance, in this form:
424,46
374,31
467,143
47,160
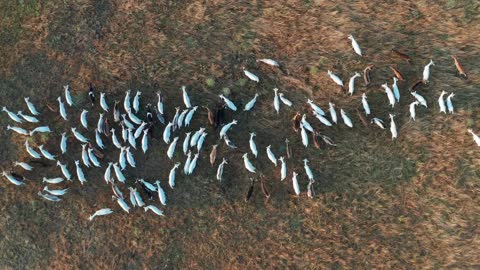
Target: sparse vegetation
210,82
241,82
381,204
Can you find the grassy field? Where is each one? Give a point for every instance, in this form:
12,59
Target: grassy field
412,203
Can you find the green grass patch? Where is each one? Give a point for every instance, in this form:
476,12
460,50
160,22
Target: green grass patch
242,82
226,91
78,98
451,4
191,43
470,11
313,70
210,82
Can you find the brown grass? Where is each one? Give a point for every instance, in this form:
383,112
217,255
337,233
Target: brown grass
408,204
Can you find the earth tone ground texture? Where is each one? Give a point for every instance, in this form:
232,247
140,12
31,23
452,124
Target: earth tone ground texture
412,203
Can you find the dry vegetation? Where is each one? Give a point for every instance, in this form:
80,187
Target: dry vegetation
409,204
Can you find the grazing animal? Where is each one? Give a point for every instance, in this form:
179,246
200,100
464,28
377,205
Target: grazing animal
351,83
366,74
103,102
355,45
12,179
253,145
310,190
303,133
393,127
269,62
416,84
402,55
30,151
420,99
322,119
116,112
366,107
18,130
154,209
283,170
220,169
49,197
28,118
305,123
171,148
346,119
308,171
271,156
229,143
379,122
171,176
296,186
362,117
12,115
388,91
335,78
55,192
449,102
475,136
186,98
426,72
219,116
276,101
91,94
79,136
160,103
186,142
441,103
108,173
211,116
263,187
251,76
288,149
249,105
225,128
30,106
161,193
24,165
186,167
316,108
228,102
412,109
459,67
333,113
68,97
43,129
80,174
52,180
189,116
397,73
126,101
123,204
296,122
136,101
285,100
83,119
213,154
250,190
248,164
315,140
145,141
396,91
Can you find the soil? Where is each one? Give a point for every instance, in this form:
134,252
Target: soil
409,203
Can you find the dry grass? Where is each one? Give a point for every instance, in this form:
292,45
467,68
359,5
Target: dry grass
411,203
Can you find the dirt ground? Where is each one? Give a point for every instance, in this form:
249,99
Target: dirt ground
412,203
